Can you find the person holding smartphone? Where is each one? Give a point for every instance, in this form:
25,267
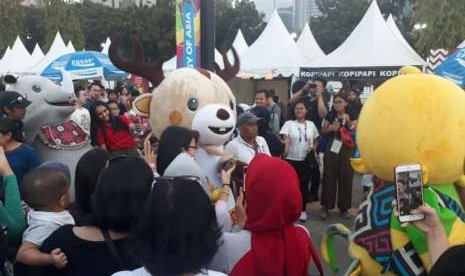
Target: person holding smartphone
300,140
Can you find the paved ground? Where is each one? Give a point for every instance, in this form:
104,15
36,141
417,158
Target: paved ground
316,226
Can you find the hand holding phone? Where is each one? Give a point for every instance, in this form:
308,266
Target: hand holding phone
409,191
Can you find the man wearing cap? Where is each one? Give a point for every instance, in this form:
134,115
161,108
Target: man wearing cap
247,143
13,106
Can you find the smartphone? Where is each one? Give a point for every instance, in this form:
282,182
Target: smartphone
409,191
228,164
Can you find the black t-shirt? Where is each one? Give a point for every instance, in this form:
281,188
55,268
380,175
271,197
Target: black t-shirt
313,109
85,258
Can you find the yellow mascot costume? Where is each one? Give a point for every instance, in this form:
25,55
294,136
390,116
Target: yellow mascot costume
412,118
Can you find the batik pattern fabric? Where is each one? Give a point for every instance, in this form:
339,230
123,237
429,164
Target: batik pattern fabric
400,250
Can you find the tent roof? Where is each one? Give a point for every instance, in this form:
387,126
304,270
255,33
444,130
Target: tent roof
57,49
70,47
18,57
308,45
462,45
37,55
371,44
239,43
7,52
106,46
274,52
395,30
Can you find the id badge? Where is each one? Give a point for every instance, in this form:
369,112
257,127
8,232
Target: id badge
336,146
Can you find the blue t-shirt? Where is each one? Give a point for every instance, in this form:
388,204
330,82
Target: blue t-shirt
21,160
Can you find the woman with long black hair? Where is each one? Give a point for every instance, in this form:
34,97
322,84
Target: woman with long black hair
112,133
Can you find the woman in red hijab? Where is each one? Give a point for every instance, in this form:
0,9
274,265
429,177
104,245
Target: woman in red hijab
271,243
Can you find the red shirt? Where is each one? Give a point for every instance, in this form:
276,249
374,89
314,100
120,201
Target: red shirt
116,140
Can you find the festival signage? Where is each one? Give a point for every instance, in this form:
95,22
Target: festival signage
188,33
350,73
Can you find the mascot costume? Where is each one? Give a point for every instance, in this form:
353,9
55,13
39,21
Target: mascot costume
47,125
412,118
193,98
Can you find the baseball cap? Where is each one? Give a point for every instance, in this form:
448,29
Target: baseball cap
13,99
247,117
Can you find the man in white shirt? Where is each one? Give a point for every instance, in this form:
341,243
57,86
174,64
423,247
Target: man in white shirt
247,143
81,115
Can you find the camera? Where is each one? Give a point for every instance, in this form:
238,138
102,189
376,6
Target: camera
312,85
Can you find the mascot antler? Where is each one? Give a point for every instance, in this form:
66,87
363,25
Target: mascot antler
230,70
136,64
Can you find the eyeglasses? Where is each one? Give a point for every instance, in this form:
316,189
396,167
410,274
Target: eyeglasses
193,147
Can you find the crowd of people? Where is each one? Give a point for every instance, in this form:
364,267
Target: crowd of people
143,207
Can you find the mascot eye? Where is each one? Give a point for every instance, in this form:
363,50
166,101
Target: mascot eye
231,105
36,88
193,104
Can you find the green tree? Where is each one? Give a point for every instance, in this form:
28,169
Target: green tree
445,24
11,19
35,28
243,16
59,16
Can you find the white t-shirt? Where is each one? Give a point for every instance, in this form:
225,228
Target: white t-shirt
142,272
81,117
301,136
245,152
43,224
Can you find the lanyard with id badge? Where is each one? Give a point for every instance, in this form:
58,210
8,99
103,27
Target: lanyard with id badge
303,148
336,146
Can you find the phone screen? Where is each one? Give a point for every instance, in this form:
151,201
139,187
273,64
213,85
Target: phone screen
409,188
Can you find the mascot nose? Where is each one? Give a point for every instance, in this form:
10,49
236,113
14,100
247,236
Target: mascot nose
222,114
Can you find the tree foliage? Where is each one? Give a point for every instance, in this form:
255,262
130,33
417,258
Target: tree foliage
11,18
60,17
445,23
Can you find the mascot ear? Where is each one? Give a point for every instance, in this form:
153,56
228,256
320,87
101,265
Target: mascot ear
10,79
358,164
141,104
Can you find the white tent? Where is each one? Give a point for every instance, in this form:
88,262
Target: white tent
308,45
462,45
70,47
239,43
5,57
371,44
18,57
106,46
57,49
396,32
37,55
274,52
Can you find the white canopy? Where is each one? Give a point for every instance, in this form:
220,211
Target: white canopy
371,44
462,45
17,58
239,43
274,52
396,32
37,55
106,46
70,47
308,45
57,49
5,57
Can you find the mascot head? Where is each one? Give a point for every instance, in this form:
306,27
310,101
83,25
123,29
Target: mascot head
413,118
197,99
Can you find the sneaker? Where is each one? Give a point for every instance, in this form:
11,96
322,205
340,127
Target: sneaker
323,214
303,217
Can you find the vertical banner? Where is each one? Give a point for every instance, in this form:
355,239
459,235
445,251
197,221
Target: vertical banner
188,33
